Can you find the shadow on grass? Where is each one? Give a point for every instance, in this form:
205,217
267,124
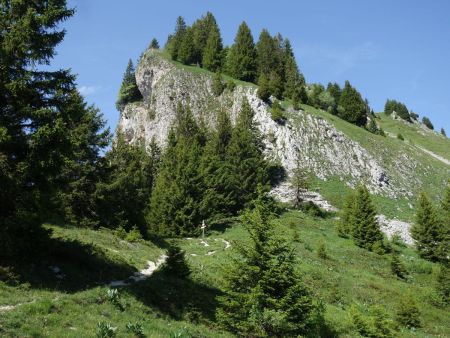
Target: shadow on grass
178,298
66,265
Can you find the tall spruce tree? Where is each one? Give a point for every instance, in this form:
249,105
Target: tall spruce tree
175,204
212,53
123,194
201,30
241,57
366,230
154,44
245,167
293,79
428,231
41,118
174,41
353,106
264,295
266,54
186,50
129,91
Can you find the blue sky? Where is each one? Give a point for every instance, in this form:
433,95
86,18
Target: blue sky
387,49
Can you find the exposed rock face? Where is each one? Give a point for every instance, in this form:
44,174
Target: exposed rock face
393,227
321,148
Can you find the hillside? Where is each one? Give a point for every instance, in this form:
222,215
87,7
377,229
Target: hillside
339,154
53,298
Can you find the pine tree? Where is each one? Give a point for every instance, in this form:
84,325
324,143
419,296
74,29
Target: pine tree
354,108
201,30
293,79
263,88
443,282
366,230
213,52
443,132
346,223
299,183
175,40
397,267
408,314
241,57
176,264
175,204
245,167
82,173
39,108
276,84
266,54
154,44
264,295
427,230
125,189
129,91
186,50
426,121
217,86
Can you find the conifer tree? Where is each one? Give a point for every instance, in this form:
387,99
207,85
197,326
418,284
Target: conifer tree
264,295
299,182
218,85
428,230
39,108
443,282
128,179
353,106
397,267
346,223
186,50
175,40
213,52
293,79
366,230
241,57
426,121
154,44
176,264
263,88
175,204
266,54
443,132
246,167
276,84
201,30
129,91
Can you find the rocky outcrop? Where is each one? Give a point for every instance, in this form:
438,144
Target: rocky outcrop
318,145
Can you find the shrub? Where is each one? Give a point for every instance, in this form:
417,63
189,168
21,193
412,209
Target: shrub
231,85
443,282
105,330
400,137
311,209
376,325
426,121
134,235
397,267
276,112
322,251
408,313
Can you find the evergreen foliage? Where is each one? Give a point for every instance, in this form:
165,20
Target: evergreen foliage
213,52
246,167
218,86
353,106
129,91
299,182
397,267
264,295
125,189
241,57
366,230
154,44
267,54
428,231
399,108
375,325
186,50
176,264
443,282
400,137
174,41
175,203
277,112
201,31
293,79
346,224
407,313
443,132
263,88
426,121
41,123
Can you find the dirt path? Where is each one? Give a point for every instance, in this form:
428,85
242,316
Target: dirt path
141,275
436,156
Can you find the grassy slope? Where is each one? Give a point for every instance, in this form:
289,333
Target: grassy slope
166,306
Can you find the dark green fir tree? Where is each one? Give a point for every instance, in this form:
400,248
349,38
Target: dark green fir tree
129,91
241,62
353,106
